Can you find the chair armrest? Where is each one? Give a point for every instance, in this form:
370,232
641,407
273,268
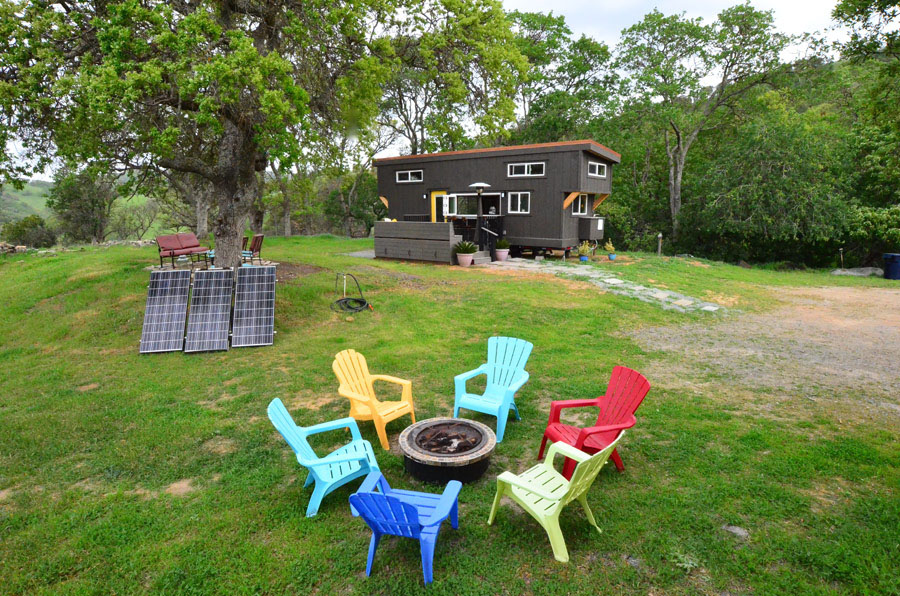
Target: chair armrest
510,478
459,381
566,450
445,505
334,425
593,430
344,392
390,379
557,406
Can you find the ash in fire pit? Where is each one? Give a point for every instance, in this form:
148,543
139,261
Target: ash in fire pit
443,449
449,438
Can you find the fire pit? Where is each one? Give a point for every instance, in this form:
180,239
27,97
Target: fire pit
444,449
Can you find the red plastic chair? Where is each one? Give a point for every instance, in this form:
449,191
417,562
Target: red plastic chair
625,392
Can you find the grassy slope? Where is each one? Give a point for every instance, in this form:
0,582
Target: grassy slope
30,200
93,434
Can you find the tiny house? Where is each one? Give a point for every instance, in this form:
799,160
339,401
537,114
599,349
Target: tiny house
539,197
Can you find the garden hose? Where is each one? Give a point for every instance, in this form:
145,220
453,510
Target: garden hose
351,303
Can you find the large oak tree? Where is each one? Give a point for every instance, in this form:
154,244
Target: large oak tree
213,89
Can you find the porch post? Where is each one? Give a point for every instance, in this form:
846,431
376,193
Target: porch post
479,221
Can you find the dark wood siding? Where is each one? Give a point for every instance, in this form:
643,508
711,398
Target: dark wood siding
547,224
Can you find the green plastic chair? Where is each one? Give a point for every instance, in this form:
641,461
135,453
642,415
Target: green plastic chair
543,492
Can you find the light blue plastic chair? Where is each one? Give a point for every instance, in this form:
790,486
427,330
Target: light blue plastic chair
336,469
405,513
505,371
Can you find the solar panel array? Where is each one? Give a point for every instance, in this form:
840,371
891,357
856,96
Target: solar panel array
254,307
167,301
210,314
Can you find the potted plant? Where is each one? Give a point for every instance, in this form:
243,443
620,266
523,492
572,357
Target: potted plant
465,252
610,249
501,249
584,251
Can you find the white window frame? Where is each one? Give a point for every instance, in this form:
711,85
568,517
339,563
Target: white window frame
451,211
576,206
409,179
599,166
519,195
528,173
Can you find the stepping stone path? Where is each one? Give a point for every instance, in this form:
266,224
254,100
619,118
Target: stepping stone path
608,281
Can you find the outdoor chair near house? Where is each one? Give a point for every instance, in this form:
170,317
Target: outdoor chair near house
625,392
411,514
543,492
505,372
357,385
343,465
172,246
248,254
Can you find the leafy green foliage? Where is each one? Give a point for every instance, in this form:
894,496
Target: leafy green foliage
464,247
29,231
82,202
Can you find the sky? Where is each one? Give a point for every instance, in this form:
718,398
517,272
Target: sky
604,19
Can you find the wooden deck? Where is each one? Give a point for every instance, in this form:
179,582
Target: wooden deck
419,241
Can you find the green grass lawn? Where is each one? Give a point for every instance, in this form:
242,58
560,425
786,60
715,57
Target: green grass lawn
122,473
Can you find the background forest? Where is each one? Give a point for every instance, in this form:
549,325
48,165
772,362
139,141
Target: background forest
738,142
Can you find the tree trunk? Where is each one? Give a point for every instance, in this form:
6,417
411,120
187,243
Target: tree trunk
257,216
201,209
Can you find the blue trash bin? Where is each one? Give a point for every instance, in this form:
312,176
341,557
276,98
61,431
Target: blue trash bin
891,265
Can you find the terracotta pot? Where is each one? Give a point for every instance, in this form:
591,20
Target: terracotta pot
464,260
502,253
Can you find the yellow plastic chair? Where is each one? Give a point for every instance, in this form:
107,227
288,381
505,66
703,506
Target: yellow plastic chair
543,492
356,384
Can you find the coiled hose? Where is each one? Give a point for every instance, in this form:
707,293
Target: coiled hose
351,303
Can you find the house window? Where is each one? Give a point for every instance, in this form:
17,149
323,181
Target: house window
524,170
580,206
406,176
519,202
596,170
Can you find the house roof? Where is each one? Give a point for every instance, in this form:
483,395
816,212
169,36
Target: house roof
584,145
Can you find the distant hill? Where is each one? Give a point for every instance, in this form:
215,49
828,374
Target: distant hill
16,204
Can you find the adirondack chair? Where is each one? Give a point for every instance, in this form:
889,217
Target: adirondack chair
625,392
336,469
356,384
505,371
544,493
405,513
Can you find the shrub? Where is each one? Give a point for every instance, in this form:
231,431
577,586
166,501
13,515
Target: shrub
608,247
30,231
502,244
465,248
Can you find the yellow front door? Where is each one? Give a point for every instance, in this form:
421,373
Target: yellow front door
434,195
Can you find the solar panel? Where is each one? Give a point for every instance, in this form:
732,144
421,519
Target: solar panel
254,307
167,300
207,328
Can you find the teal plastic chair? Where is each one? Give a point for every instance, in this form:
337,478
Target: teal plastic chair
505,371
336,469
405,513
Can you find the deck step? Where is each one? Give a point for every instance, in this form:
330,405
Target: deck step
481,260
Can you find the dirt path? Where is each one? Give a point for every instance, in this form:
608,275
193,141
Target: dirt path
836,347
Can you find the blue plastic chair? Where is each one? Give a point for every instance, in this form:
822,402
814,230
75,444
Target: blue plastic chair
405,513
336,469
505,371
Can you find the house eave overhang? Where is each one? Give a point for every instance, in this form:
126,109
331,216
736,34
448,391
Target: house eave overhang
588,146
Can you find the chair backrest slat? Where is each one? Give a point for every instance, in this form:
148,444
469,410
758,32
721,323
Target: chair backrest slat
292,433
387,515
586,471
256,243
625,392
507,357
351,369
